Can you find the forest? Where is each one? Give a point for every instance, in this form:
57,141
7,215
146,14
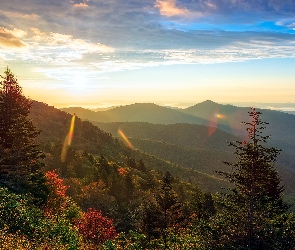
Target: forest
68,184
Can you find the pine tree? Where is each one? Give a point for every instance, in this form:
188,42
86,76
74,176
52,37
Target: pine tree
169,206
256,198
20,159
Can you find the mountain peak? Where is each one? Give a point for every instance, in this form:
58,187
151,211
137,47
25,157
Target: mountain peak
208,102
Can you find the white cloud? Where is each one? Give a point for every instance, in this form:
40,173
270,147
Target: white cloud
61,55
211,5
289,23
18,33
59,41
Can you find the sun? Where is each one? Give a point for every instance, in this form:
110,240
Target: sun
79,83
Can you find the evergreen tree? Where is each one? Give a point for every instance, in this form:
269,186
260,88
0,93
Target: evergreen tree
256,198
150,217
20,159
169,206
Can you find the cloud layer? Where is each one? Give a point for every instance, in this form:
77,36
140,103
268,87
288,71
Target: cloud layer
113,35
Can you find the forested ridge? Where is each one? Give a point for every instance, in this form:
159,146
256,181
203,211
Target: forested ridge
106,195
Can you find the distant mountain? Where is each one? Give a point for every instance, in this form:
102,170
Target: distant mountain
229,118
142,112
54,125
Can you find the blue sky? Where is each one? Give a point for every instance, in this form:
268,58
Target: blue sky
91,53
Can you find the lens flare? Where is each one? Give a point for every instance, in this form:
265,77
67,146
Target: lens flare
213,122
219,116
120,132
68,140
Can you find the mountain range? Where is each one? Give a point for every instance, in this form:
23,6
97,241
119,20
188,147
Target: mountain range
196,137
54,125
228,118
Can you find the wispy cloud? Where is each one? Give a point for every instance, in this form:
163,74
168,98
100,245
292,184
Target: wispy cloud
287,22
65,41
19,15
113,35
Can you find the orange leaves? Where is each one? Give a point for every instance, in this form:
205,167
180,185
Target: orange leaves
57,197
123,171
56,184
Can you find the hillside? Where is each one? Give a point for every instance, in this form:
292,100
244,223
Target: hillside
186,135
192,146
186,145
54,125
101,178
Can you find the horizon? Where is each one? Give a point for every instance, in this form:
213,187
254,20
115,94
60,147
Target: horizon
284,107
83,52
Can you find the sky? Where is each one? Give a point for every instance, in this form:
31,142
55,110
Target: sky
95,53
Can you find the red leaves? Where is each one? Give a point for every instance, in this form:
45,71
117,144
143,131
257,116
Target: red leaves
56,184
57,197
95,227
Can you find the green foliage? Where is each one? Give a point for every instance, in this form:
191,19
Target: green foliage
131,240
255,201
19,217
64,233
184,239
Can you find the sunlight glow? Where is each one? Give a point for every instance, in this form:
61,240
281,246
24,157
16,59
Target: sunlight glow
79,83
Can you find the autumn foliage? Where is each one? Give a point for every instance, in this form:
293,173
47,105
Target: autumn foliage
95,228
123,171
57,198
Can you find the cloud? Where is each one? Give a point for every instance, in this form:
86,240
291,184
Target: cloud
289,23
114,35
50,49
19,15
168,8
211,5
59,42
80,5
11,38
